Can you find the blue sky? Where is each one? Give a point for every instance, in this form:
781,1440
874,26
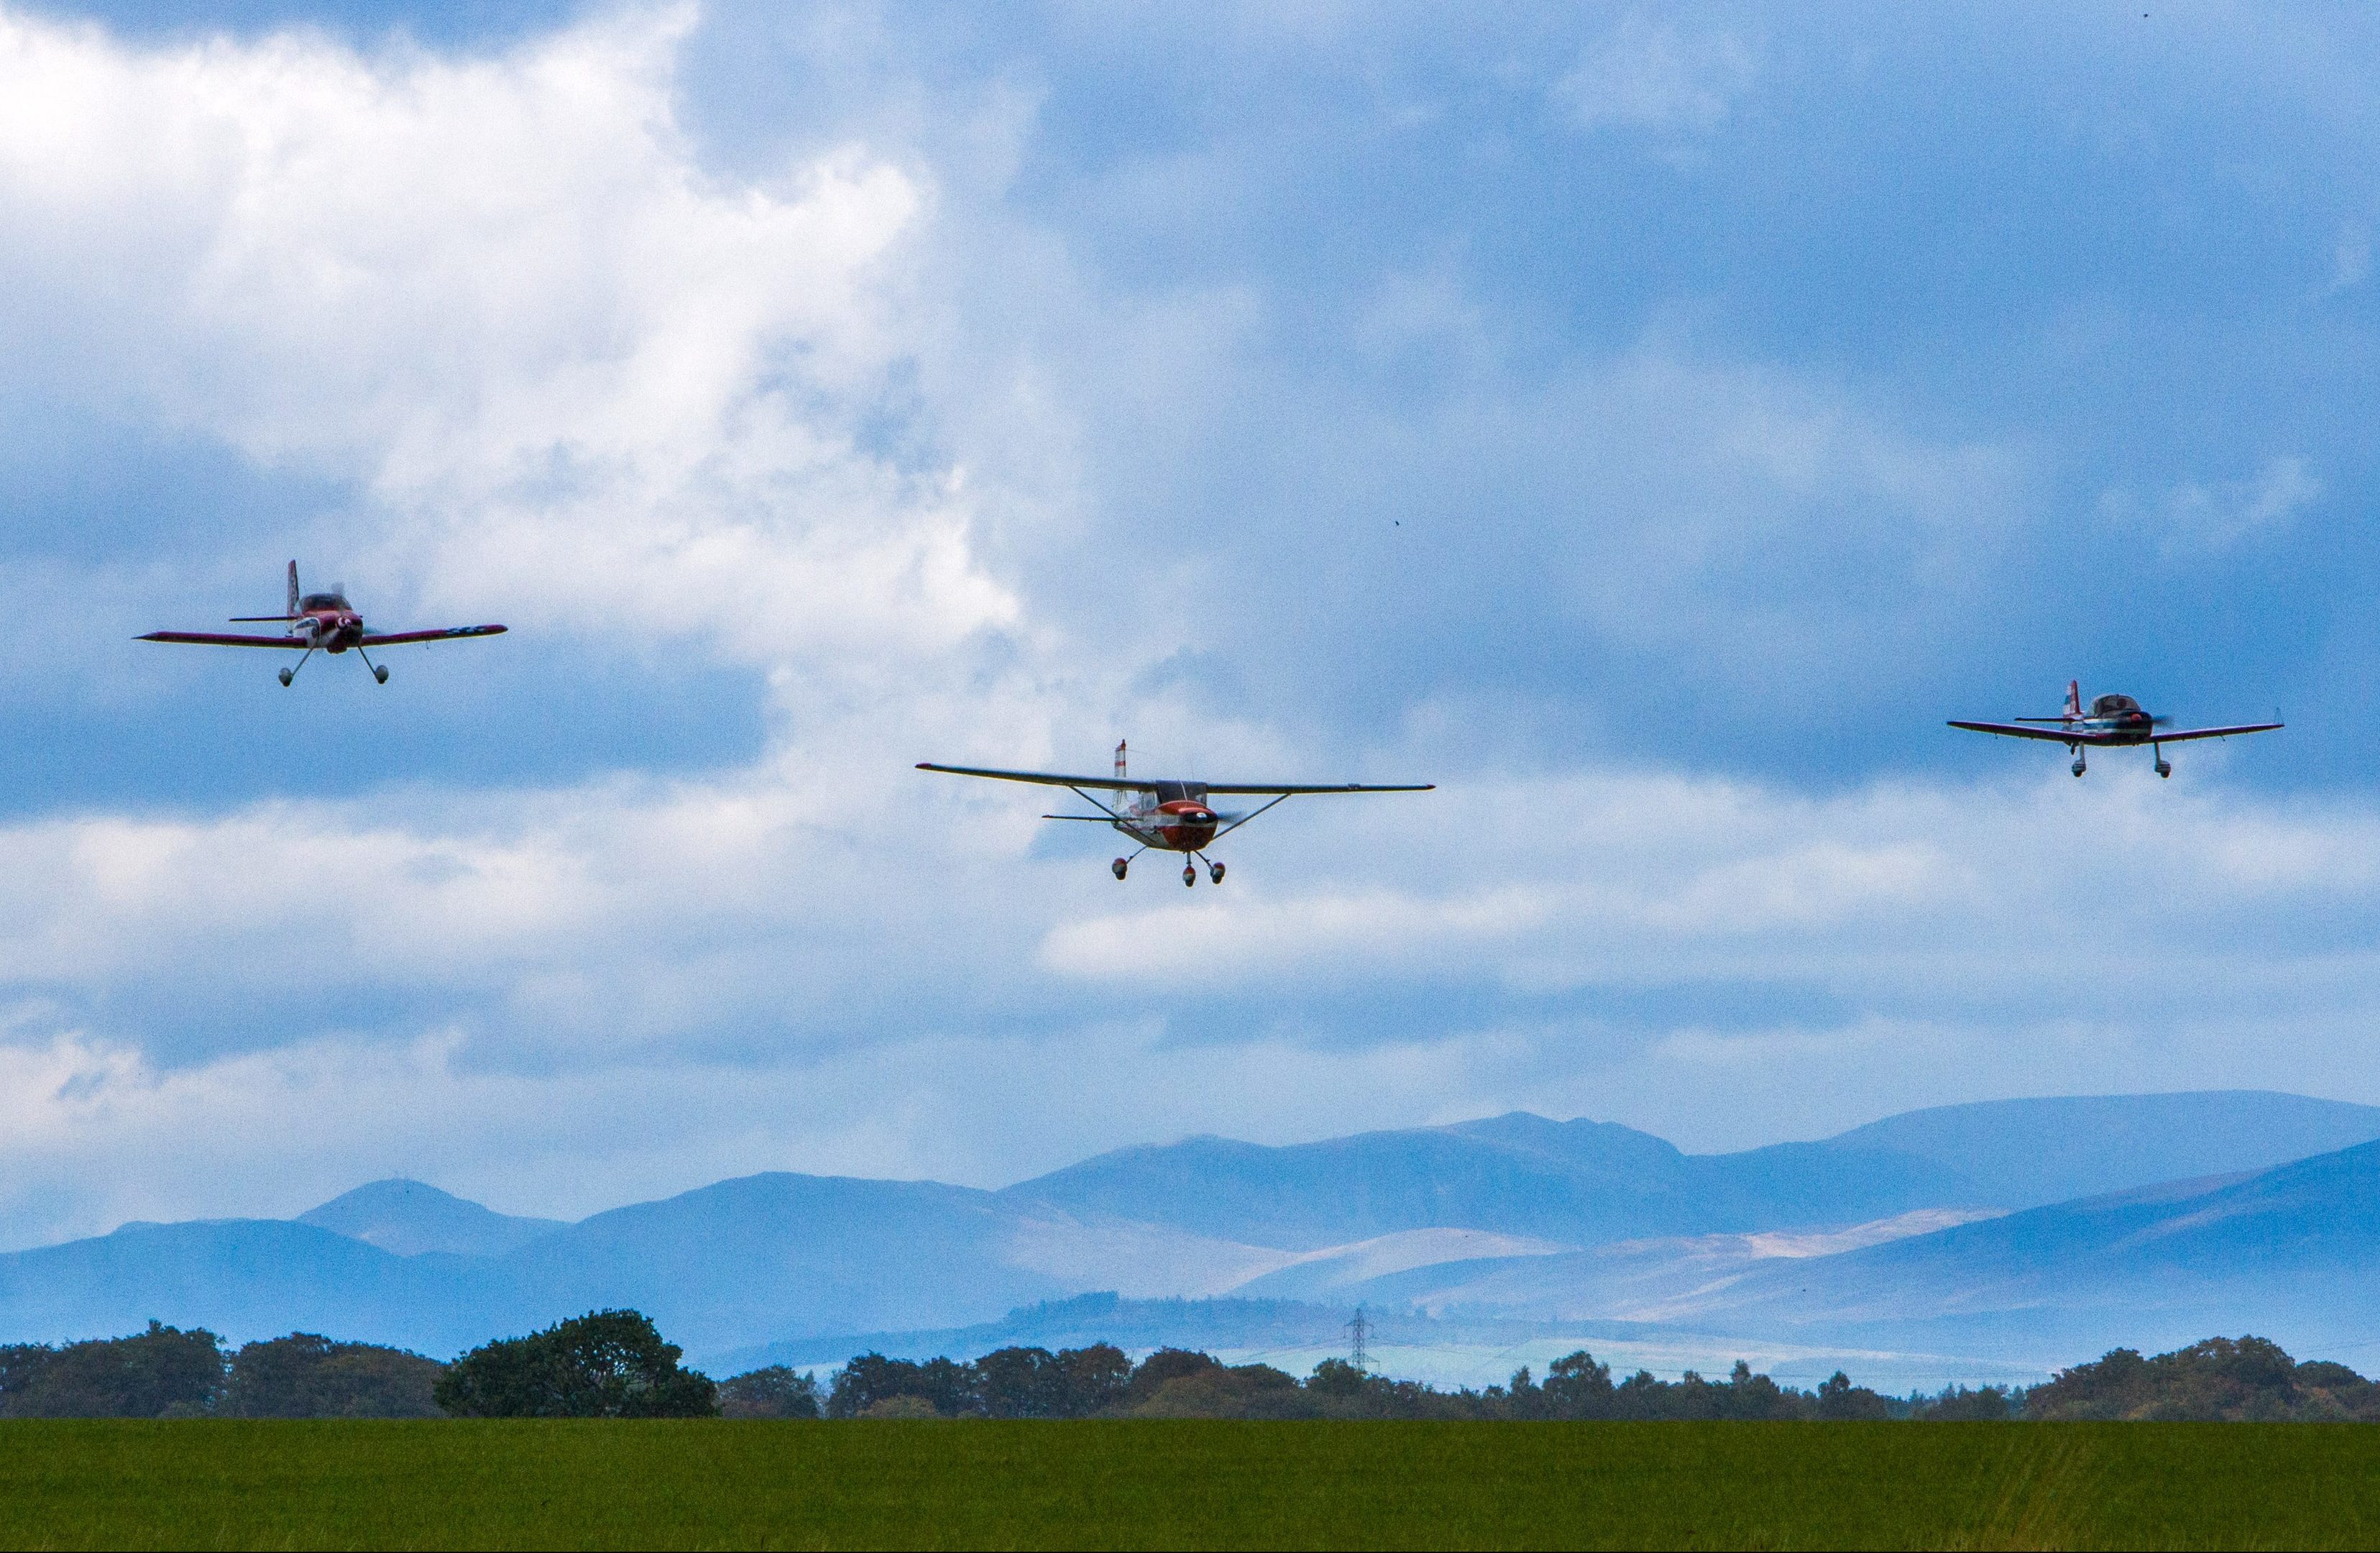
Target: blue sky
1650,423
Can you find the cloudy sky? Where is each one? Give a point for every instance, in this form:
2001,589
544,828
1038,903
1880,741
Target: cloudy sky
1648,423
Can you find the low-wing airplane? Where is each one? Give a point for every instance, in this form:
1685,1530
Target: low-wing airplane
2112,722
320,620
1167,815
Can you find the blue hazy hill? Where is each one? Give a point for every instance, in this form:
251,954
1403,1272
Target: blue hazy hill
729,1265
780,1255
1574,1182
410,1216
1585,1183
244,1278
2022,1153
2292,1253
772,1258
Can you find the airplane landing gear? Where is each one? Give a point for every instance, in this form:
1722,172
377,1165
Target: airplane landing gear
2163,767
1215,872
286,675
379,673
2078,767
1189,875
1118,867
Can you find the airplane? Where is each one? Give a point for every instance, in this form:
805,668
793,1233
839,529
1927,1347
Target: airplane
321,620
2113,722
1169,816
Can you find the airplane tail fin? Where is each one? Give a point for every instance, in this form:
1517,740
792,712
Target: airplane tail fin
2073,690
293,589
1119,760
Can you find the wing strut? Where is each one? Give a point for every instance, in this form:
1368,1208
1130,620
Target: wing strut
1250,815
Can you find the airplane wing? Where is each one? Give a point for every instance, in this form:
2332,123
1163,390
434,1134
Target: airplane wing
398,638
217,639
1286,789
2217,732
1048,778
1052,779
2019,730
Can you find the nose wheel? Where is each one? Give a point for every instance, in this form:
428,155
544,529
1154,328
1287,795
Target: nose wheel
1189,875
2077,768
2163,767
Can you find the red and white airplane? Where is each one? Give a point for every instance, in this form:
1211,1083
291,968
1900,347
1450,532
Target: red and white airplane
1169,816
2112,722
320,620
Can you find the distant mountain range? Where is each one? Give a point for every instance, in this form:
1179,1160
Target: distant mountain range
2010,1227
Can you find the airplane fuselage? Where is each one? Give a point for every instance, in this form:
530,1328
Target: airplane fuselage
332,630
2120,728
1169,817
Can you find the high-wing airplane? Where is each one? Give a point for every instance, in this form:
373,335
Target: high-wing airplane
1169,816
2112,722
320,620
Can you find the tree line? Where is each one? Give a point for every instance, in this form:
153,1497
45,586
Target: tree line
614,1364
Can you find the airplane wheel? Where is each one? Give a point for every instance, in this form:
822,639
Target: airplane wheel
2078,768
1189,875
1118,867
379,673
2163,769
1215,872
286,676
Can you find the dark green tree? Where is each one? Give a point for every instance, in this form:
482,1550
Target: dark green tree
1167,1363
608,1363
2221,1378
774,1392
1092,1380
1578,1388
1216,1391
1020,1383
304,1376
1839,1399
163,1372
1957,1404
945,1386
1337,1377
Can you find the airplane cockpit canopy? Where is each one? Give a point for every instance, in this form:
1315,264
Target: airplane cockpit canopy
2110,706
1177,792
322,601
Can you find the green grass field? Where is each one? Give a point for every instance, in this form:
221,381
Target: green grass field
1186,1484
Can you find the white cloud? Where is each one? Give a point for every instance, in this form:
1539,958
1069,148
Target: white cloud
1651,75
2198,518
1623,881
579,380
501,296
2350,257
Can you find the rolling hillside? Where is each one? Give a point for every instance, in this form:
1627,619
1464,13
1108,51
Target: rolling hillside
1577,1182
1895,1234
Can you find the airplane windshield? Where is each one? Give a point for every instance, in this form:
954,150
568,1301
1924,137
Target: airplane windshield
2107,706
322,601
